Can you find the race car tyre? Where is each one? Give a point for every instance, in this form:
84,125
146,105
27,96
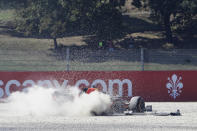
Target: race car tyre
137,104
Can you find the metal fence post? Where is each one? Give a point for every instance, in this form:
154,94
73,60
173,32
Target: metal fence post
142,58
67,58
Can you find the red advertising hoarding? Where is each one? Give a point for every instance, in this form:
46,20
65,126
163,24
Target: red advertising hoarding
151,85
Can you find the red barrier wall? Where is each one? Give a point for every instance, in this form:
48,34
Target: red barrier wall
152,85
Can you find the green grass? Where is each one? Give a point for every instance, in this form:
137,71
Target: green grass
17,43
77,66
160,67
62,66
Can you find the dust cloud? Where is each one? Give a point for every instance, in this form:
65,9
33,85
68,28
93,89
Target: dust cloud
70,101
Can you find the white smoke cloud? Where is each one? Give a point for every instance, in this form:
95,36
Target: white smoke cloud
40,101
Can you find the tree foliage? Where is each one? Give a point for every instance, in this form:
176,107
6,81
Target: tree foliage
11,3
107,21
54,18
169,12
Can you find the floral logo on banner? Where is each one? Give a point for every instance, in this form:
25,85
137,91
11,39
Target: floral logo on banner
174,86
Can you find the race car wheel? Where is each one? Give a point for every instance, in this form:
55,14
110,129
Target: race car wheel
137,104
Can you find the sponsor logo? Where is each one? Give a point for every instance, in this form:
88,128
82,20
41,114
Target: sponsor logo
6,88
174,86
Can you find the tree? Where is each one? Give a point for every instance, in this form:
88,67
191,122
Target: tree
46,18
99,17
186,16
165,9
107,21
11,3
54,18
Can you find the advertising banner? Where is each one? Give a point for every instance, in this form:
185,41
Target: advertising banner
151,85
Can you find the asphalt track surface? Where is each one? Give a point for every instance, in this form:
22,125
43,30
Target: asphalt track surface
186,122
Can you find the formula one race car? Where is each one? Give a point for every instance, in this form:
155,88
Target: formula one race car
119,106
134,106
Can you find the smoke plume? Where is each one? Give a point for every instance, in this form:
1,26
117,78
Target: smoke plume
40,101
